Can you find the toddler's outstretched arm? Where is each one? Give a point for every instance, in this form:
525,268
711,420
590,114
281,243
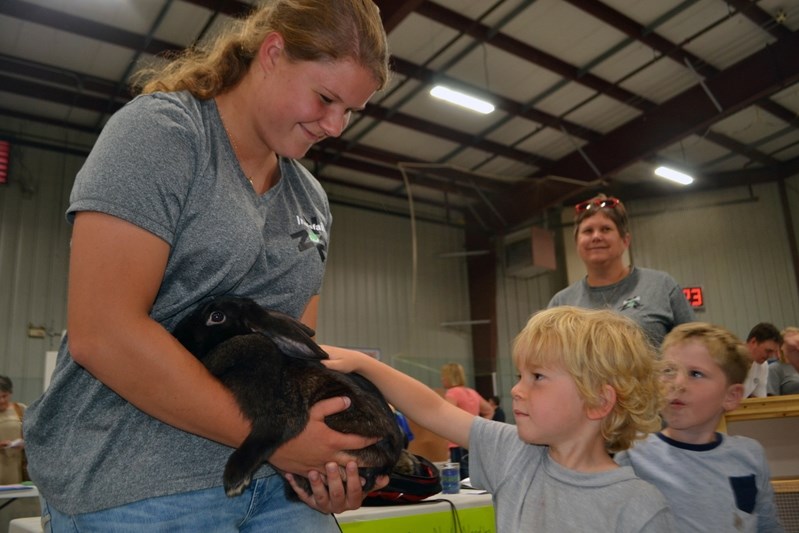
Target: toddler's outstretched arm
415,399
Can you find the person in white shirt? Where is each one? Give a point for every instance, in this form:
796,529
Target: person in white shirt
763,343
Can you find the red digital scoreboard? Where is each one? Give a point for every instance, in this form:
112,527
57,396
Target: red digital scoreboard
695,297
5,156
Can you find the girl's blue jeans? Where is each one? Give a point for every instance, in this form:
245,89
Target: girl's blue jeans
262,507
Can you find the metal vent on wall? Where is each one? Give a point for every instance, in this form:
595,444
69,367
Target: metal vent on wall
529,252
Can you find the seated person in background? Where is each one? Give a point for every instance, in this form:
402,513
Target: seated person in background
713,482
763,344
429,445
453,379
499,414
12,455
402,422
588,387
783,376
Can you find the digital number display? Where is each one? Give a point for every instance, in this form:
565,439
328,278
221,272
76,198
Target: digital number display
694,296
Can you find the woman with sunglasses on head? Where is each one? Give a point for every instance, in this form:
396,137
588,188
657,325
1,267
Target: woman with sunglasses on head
194,190
650,297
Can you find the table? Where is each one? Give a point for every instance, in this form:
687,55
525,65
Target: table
26,525
10,493
475,512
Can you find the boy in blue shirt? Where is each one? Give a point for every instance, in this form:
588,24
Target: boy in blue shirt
713,482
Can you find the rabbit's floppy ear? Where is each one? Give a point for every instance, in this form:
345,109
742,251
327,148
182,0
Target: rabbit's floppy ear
292,337
298,349
281,321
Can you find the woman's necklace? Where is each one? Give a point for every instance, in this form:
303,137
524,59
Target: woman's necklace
610,301
235,149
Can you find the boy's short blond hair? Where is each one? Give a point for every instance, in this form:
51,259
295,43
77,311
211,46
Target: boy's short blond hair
598,348
727,350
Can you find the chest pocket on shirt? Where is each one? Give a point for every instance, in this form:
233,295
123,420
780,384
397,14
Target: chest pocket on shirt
745,491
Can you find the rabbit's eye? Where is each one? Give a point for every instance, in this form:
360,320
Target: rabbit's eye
217,317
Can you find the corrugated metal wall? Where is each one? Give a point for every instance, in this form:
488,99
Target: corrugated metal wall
517,299
368,298
34,248
734,243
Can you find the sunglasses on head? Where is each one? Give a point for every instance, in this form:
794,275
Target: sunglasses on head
596,203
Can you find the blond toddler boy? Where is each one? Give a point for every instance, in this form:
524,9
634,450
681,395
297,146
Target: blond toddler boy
587,387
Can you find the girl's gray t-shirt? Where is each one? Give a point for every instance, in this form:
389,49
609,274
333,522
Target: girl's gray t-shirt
164,163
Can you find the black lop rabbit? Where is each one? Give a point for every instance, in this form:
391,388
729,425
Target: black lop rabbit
272,365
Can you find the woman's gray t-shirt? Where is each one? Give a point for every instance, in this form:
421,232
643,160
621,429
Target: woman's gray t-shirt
165,164
650,297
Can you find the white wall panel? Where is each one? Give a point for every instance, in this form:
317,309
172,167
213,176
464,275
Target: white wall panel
517,300
733,243
34,244
368,297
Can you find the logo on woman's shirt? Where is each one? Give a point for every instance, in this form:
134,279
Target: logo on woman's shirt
310,235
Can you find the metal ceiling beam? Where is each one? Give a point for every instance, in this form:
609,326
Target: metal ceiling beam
710,181
91,29
56,75
767,23
512,107
393,173
678,54
84,152
49,121
84,27
753,12
765,72
383,114
750,176
524,51
394,159
638,32
120,37
113,35
393,12
25,87
740,148
380,192
233,8
54,94
92,103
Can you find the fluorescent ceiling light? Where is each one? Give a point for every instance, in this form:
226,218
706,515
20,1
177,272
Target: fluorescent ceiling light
461,99
673,175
